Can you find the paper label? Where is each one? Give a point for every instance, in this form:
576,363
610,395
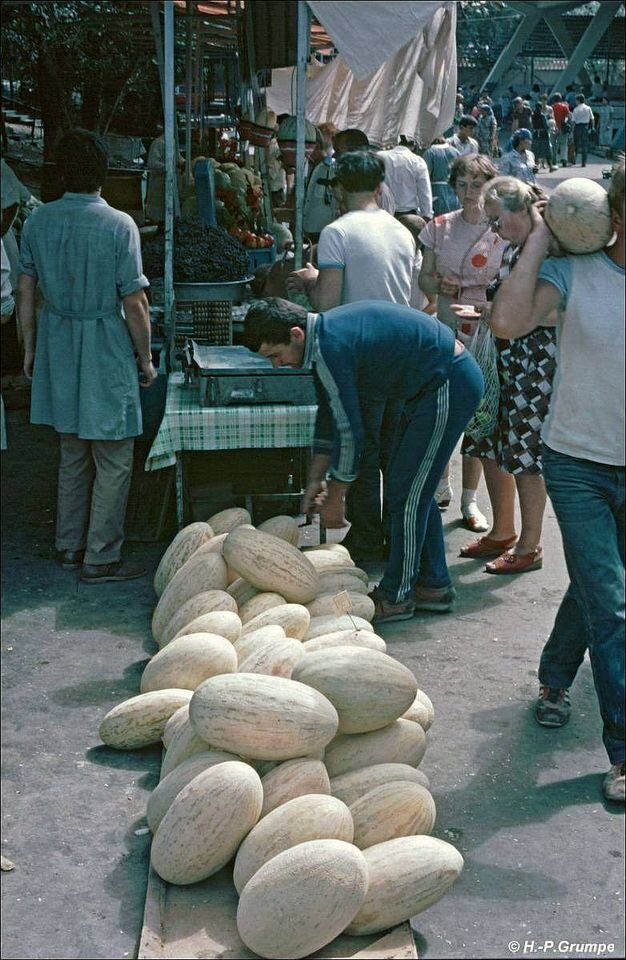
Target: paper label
342,603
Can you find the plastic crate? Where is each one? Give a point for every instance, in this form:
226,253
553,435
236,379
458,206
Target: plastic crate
257,258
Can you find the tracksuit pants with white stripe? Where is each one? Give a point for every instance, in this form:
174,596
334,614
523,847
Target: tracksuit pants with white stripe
431,425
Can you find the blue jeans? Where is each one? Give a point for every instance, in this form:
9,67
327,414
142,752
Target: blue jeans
430,427
588,499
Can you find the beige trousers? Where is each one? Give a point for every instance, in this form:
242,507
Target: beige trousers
94,480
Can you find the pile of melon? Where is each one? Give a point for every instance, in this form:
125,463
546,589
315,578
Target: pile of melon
292,740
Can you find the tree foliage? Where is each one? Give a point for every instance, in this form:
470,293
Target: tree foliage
483,30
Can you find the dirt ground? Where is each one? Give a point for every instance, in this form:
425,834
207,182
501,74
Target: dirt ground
543,851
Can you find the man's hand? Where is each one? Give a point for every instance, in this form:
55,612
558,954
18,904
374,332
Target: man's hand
332,510
301,280
314,495
447,286
147,373
29,362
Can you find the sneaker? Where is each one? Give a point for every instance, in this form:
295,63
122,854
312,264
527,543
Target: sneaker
386,611
434,599
613,783
111,572
553,707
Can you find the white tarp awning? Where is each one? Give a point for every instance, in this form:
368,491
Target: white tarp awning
411,93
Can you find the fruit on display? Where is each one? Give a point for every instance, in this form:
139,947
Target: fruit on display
201,254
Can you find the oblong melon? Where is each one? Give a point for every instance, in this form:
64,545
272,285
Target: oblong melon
187,661
259,604
274,658
293,778
198,574
249,643
170,786
324,605
292,617
226,520
324,625
208,601
225,623
286,528
185,743
350,786
140,721
346,638
401,742
271,564
182,547
396,809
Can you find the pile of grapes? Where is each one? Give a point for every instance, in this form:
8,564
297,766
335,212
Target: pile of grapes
201,254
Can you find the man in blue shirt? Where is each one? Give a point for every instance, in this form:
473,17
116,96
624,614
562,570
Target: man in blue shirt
377,348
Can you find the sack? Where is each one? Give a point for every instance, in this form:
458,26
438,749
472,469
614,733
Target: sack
483,349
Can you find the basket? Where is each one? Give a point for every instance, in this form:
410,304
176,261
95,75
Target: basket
255,134
207,320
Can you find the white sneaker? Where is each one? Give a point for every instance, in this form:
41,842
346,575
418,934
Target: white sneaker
474,520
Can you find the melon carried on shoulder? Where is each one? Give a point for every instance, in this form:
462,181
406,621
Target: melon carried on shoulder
579,215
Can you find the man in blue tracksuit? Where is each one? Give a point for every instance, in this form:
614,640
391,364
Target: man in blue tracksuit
377,348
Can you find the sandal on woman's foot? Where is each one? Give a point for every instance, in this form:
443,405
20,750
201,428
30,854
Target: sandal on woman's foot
516,562
486,547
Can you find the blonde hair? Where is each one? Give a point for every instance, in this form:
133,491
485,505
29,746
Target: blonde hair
513,194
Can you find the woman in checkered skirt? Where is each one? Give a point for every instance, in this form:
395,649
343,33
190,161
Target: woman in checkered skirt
526,368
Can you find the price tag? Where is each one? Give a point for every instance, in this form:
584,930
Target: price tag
342,603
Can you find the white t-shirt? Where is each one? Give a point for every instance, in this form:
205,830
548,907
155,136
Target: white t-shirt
582,114
320,207
465,147
375,252
406,175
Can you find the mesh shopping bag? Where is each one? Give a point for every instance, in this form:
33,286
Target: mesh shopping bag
483,349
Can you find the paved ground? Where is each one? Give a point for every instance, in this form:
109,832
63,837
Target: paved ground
543,851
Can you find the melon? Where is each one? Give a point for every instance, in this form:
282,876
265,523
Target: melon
302,898
324,561
259,604
206,822
579,215
421,711
184,544
208,601
249,643
401,742
140,721
406,876
187,661
274,658
198,574
396,809
350,786
312,817
241,591
344,580
224,623
271,564
214,545
293,778
227,520
346,638
286,528
292,617
170,786
367,688
323,625
265,718
184,743
175,722
324,605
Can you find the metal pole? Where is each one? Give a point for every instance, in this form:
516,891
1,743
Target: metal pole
188,85
171,153
301,65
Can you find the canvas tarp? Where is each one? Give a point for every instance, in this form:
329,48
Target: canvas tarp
412,93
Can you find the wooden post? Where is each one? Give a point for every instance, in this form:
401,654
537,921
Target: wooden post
171,157
301,66
188,86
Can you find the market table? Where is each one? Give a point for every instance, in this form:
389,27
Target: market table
188,426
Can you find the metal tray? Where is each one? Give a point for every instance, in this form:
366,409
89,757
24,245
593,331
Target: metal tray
212,291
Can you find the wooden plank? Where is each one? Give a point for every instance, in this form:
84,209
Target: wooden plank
198,922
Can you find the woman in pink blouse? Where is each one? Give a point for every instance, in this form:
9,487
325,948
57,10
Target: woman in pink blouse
462,256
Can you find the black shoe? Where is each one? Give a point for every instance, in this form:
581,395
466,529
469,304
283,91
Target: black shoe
553,707
111,572
70,559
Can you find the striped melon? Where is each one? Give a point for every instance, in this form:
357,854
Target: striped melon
297,821
324,625
271,564
140,721
265,718
163,794
302,898
185,743
344,580
249,643
286,528
241,591
214,545
206,822
209,601
324,606
336,548
346,638
367,688
227,520
421,710
406,876
326,562
184,544
175,722
350,786
396,809
274,658
293,778
198,574
292,617
401,742
224,623
187,661
259,604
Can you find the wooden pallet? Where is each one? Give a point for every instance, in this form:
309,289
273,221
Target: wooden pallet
197,922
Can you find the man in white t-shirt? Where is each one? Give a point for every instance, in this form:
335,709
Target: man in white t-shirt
364,255
582,118
463,141
407,177
583,462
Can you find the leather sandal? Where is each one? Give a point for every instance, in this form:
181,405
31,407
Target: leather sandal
516,562
486,547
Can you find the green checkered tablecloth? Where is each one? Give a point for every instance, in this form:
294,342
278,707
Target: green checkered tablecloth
188,426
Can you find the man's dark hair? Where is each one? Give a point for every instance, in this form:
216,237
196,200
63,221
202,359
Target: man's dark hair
82,160
556,97
359,171
468,121
270,320
350,140
580,98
